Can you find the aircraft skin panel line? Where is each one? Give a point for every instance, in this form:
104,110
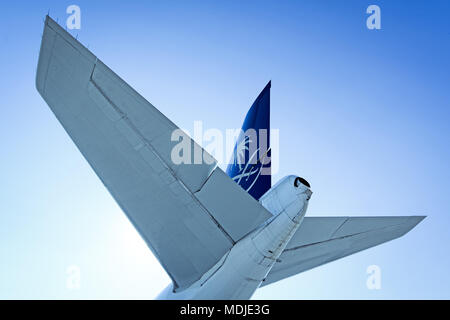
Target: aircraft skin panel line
216,234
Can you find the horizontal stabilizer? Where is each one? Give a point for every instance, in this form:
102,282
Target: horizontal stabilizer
178,208
324,239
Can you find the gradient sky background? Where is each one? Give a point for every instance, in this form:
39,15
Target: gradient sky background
364,116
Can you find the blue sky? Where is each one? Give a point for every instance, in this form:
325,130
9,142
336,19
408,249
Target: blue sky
363,116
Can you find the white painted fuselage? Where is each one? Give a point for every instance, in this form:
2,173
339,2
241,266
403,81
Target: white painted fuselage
242,269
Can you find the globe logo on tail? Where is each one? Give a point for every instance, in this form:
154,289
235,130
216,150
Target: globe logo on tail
250,166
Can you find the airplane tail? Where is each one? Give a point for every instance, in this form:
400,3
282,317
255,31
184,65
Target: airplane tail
251,165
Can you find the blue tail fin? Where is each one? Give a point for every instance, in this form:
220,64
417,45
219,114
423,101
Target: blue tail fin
251,165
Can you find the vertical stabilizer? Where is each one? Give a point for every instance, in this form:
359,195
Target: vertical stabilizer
251,165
